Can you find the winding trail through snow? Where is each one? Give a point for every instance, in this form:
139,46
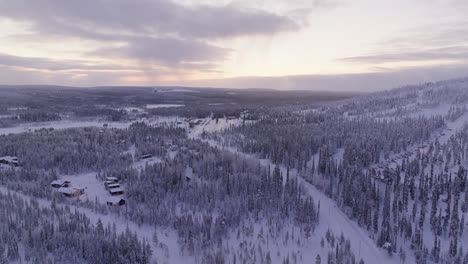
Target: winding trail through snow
331,217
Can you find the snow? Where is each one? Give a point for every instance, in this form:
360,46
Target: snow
140,164
331,217
210,125
155,106
175,90
17,108
171,252
130,109
65,124
442,136
94,189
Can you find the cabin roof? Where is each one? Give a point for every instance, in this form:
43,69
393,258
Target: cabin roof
9,158
60,182
67,191
114,200
112,178
116,190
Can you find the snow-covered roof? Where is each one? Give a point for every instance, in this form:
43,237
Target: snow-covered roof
114,200
9,159
112,178
67,191
59,182
115,190
113,185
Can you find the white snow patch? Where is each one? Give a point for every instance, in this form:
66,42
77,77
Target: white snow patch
94,188
155,106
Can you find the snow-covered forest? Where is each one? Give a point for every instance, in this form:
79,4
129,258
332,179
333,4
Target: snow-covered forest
228,176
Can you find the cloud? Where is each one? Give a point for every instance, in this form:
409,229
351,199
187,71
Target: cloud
450,53
429,43
159,32
167,51
146,17
56,65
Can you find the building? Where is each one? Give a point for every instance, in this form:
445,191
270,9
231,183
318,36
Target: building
112,179
10,160
115,201
116,191
71,192
113,186
60,183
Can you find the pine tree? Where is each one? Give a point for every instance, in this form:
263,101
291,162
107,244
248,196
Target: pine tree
13,252
454,222
462,225
3,259
318,260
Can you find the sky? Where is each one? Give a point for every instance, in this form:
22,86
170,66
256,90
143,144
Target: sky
335,45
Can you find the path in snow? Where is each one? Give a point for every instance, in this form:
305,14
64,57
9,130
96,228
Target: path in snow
331,217
443,137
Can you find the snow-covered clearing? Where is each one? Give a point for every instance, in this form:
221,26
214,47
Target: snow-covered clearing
130,109
140,164
175,90
94,188
155,106
212,125
64,124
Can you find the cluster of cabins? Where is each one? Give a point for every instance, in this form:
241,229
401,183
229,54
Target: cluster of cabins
63,188
113,186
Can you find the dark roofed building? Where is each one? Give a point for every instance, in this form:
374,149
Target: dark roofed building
71,192
116,191
60,183
113,185
10,160
113,179
115,201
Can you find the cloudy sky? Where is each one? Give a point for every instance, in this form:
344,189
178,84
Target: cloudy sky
283,44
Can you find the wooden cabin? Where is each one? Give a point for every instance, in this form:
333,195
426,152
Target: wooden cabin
60,183
71,192
116,191
115,201
10,160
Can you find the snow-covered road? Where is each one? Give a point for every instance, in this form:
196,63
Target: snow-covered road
332,217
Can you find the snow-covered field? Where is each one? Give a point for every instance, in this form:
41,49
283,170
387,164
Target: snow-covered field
155,106
65,124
